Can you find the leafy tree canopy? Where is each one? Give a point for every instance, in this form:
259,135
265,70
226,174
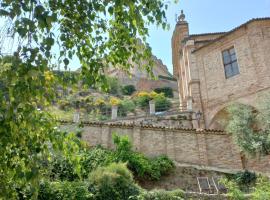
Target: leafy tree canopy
98,32
251,128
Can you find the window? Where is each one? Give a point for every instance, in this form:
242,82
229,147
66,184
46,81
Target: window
230,63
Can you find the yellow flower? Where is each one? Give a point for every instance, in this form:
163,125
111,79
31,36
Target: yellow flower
99,102
142,94
49,76
115,101
153,94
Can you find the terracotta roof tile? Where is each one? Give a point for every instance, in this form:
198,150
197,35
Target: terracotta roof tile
132,125
231,31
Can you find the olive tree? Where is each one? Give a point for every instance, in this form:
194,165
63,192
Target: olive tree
251,128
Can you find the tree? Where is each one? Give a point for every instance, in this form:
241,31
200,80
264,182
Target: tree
98,32
251,128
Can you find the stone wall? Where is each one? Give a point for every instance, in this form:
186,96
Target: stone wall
208,148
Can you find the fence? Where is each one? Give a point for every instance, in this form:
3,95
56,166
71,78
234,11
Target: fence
118,113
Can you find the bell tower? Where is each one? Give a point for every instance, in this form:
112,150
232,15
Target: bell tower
181,32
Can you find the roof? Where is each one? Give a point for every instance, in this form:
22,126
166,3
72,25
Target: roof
227,33
202,34
205,34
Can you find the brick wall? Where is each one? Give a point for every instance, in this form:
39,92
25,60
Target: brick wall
208,148
252,46
203,68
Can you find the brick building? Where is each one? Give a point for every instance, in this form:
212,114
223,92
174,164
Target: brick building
216,69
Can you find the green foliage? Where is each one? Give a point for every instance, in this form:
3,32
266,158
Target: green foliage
64,105
161,165
162,103
162,195
167,91
234,192
126,106
62,169
262,190
113,85
246,178
250,129
137,162
94,158
128,89
64,191
113,182
98,33
141,166
143,101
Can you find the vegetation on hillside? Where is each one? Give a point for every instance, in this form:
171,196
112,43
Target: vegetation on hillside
102,173
261,191
94,105
98,33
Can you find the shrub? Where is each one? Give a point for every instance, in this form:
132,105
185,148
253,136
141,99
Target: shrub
234,192
62,169
160,166
262,190
64,105
114,101
167,91
162,195
141,166
64,191
142,99
128,89
113,85
162,103
125,107
113,182
245,178
94,158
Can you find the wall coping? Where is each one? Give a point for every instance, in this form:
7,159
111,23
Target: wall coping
149,127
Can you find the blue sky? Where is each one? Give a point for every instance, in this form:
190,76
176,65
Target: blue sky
205,16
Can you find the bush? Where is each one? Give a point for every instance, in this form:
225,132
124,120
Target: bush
64,105
142,99
64,191
113,182
162,103
136,162
141,166
245,178
262,190
167,91
161,166
234,192
113,85
125,107
62,169
162,195
94,158
128,89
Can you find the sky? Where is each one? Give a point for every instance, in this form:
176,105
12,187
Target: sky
205,16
